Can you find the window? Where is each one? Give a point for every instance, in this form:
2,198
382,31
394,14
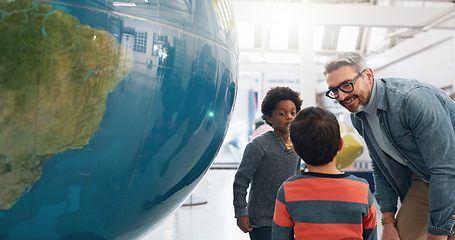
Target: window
140,42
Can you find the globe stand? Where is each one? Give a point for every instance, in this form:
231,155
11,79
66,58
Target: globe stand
194,202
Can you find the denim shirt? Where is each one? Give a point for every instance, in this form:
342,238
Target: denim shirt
419,121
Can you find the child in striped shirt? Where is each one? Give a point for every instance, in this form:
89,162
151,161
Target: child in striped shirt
323,203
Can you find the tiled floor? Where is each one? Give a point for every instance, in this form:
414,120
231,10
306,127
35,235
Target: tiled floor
211,221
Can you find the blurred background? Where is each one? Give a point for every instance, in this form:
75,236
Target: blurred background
286,43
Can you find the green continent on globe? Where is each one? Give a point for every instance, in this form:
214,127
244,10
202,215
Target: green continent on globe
55,76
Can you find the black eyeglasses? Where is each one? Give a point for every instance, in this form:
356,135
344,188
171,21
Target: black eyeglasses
346,87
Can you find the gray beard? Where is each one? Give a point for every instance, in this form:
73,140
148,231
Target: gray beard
360,108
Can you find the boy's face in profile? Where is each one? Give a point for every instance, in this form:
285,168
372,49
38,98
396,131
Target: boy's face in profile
283,114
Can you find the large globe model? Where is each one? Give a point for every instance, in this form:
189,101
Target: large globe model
111,112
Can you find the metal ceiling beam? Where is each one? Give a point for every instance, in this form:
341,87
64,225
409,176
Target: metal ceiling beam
363,15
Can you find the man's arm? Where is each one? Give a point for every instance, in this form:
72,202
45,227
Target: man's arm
389,231
436,237
428,117
385,194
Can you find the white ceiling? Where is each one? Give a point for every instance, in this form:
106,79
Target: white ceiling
313,30
380,25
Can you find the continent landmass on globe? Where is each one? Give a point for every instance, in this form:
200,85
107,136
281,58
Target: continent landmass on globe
55,76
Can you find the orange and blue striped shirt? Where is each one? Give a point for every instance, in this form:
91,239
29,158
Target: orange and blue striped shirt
316,206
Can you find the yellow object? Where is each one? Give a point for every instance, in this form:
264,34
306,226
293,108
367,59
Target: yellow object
352,147
288,146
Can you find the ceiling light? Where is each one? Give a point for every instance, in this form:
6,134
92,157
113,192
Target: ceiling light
124,4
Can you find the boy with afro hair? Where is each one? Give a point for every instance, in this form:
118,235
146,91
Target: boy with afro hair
267,161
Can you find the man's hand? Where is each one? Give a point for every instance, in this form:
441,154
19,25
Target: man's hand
244,224
437,237
389,232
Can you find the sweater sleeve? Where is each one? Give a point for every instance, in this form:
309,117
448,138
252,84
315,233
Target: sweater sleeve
251,160
370,221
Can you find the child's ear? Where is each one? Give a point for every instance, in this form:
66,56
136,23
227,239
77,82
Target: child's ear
268,119
340,145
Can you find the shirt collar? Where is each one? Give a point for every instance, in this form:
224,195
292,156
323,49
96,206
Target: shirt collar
372,104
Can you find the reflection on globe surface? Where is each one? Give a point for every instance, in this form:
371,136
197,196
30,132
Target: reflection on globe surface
111,112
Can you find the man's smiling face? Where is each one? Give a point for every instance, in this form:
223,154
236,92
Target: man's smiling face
357,99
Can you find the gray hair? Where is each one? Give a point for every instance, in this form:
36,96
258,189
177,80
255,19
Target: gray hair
343,59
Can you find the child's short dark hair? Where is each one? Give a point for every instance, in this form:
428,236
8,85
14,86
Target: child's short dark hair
315,134
275,95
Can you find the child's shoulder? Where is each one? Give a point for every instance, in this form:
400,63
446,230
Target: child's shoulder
337,178
344,175
264,137
297,177
353,177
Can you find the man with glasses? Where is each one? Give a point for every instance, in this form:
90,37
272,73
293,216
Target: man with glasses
408,127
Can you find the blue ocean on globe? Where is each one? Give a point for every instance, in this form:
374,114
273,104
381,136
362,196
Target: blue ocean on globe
111,112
